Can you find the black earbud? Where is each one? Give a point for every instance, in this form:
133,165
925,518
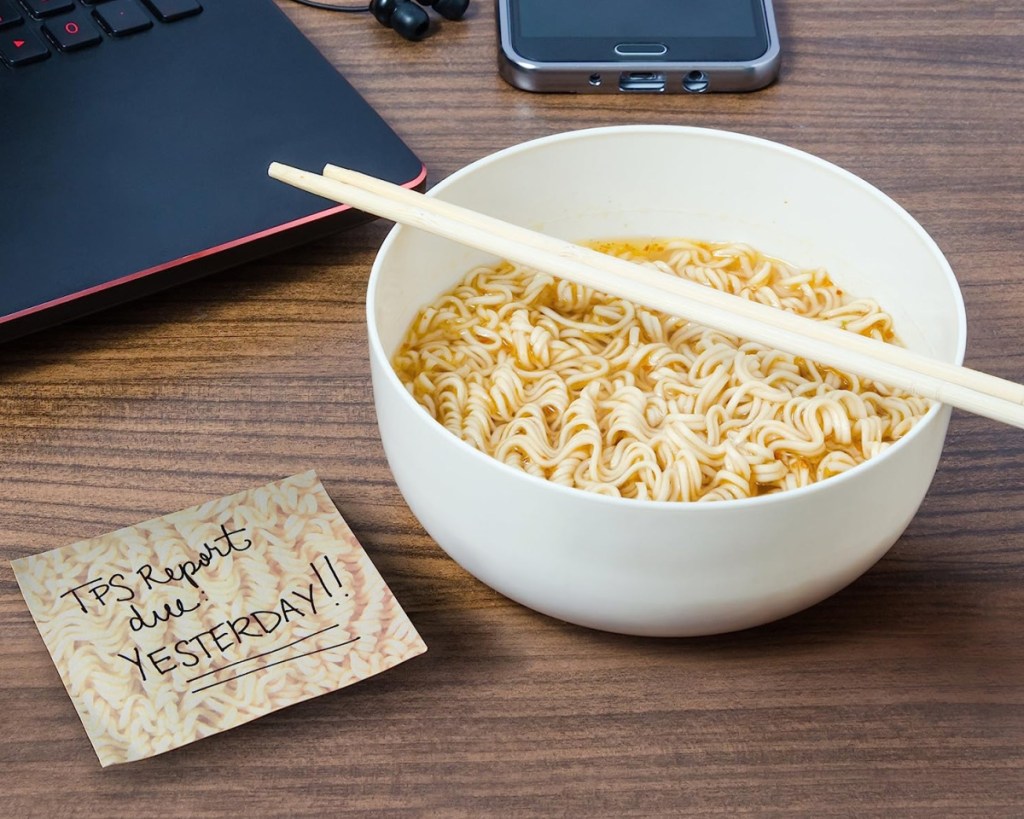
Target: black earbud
410,20
449,9
403,16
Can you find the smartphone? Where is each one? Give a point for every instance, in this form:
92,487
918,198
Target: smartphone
638,46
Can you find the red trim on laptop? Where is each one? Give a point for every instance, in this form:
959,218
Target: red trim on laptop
192,257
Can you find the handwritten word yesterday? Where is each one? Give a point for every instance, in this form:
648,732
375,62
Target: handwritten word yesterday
215,641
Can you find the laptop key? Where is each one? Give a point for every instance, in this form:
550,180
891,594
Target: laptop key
121,17
9,14
72,32
168,10
20,46
45,8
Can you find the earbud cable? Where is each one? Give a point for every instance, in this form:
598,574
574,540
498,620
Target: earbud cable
362,7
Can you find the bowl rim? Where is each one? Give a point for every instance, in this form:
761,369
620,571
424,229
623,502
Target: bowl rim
581,495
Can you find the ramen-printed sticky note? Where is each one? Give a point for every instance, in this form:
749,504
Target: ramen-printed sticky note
196,622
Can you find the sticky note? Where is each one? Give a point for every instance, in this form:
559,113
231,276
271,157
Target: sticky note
201,620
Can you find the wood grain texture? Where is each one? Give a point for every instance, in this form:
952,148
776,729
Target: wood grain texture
903,694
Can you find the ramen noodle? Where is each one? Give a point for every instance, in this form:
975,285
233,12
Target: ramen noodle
591,391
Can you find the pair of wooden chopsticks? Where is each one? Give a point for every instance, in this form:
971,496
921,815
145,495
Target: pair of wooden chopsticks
958,386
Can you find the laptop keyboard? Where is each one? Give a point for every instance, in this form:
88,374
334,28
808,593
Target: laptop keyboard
31,30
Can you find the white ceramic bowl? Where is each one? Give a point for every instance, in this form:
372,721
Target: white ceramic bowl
644,567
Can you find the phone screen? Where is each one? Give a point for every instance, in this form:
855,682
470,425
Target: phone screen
607,30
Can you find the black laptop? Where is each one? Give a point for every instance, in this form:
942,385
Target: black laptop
135,137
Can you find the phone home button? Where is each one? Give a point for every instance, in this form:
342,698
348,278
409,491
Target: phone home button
641,49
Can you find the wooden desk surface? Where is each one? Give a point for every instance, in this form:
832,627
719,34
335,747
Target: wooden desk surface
904,693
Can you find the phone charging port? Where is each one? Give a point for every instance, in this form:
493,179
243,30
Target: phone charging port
651,82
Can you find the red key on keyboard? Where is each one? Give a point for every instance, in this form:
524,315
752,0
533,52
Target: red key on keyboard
72,32
121,17
20,46
8,14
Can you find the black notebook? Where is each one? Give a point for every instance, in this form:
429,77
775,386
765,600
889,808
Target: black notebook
134,143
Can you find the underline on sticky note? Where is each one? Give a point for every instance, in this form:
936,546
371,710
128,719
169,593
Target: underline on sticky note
264,654
271,665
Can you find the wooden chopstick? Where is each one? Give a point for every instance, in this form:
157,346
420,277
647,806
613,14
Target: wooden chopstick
888,364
